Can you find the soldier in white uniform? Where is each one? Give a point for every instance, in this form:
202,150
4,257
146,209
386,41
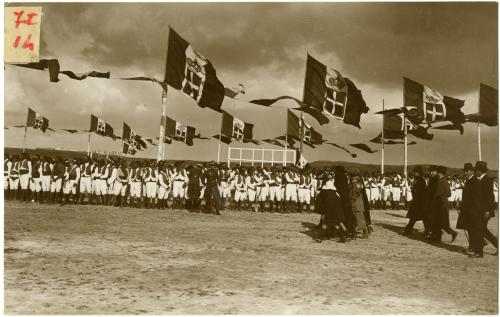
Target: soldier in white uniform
86,180
14,177
251,186
291,180
121,183
36,181
395,191
275,185
71,179
386,190
101,185
24,176
264,189
180,179
225,186
240,188
150,177
135,183
46,178
304,191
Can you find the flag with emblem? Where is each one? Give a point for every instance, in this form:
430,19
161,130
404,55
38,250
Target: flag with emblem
193,74
394,126
298,129
37,121
327,92
233,128
100,127
132,142
430,105
179,132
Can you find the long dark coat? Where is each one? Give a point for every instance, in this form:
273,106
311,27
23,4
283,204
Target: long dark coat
418,204
439,205
470,204
343,190
194,188
330,206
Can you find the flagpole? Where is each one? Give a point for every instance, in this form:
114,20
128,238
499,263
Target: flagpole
88,145
161,154
218,150
301,130
286,140
479,140
405,171
24,141
383,140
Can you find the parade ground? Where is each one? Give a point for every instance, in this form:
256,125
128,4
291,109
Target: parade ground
107,260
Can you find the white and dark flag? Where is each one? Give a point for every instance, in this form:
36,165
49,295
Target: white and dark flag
132,142
100,127
179,132
430,105
236,129
36,121
193,74
298,129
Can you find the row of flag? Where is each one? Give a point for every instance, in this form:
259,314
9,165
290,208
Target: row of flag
327,94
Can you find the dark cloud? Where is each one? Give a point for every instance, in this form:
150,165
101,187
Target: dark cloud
451,47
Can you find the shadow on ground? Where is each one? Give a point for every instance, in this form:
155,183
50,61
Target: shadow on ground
419,237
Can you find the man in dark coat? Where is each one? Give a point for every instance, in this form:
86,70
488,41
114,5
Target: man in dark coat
429,215
212,195
194,188
439,206
486,210
470,203
418,205
342,186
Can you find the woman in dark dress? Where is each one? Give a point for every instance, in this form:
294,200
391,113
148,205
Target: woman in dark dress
330,207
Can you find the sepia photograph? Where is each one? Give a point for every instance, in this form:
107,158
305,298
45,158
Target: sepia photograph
276,158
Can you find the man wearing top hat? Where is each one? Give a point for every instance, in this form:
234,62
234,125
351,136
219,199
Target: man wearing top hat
470,206
486,210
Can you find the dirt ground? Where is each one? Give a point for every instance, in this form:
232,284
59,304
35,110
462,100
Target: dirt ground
107,260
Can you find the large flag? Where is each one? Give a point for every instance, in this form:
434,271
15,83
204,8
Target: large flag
298,129
132,142
328,92
430,105
394,126
100,127
36,121
488,106
190,72
179,132
233,128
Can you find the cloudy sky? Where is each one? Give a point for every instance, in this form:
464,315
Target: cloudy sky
451,47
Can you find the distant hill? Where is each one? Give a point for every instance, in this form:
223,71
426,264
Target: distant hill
316,164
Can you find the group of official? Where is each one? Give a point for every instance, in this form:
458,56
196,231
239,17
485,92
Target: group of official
430,204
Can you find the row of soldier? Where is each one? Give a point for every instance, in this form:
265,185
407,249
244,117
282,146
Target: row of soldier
152,184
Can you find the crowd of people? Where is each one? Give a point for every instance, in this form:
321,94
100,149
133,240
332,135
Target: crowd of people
343,199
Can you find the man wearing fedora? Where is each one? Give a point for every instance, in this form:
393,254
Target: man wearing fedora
439,207
486,210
